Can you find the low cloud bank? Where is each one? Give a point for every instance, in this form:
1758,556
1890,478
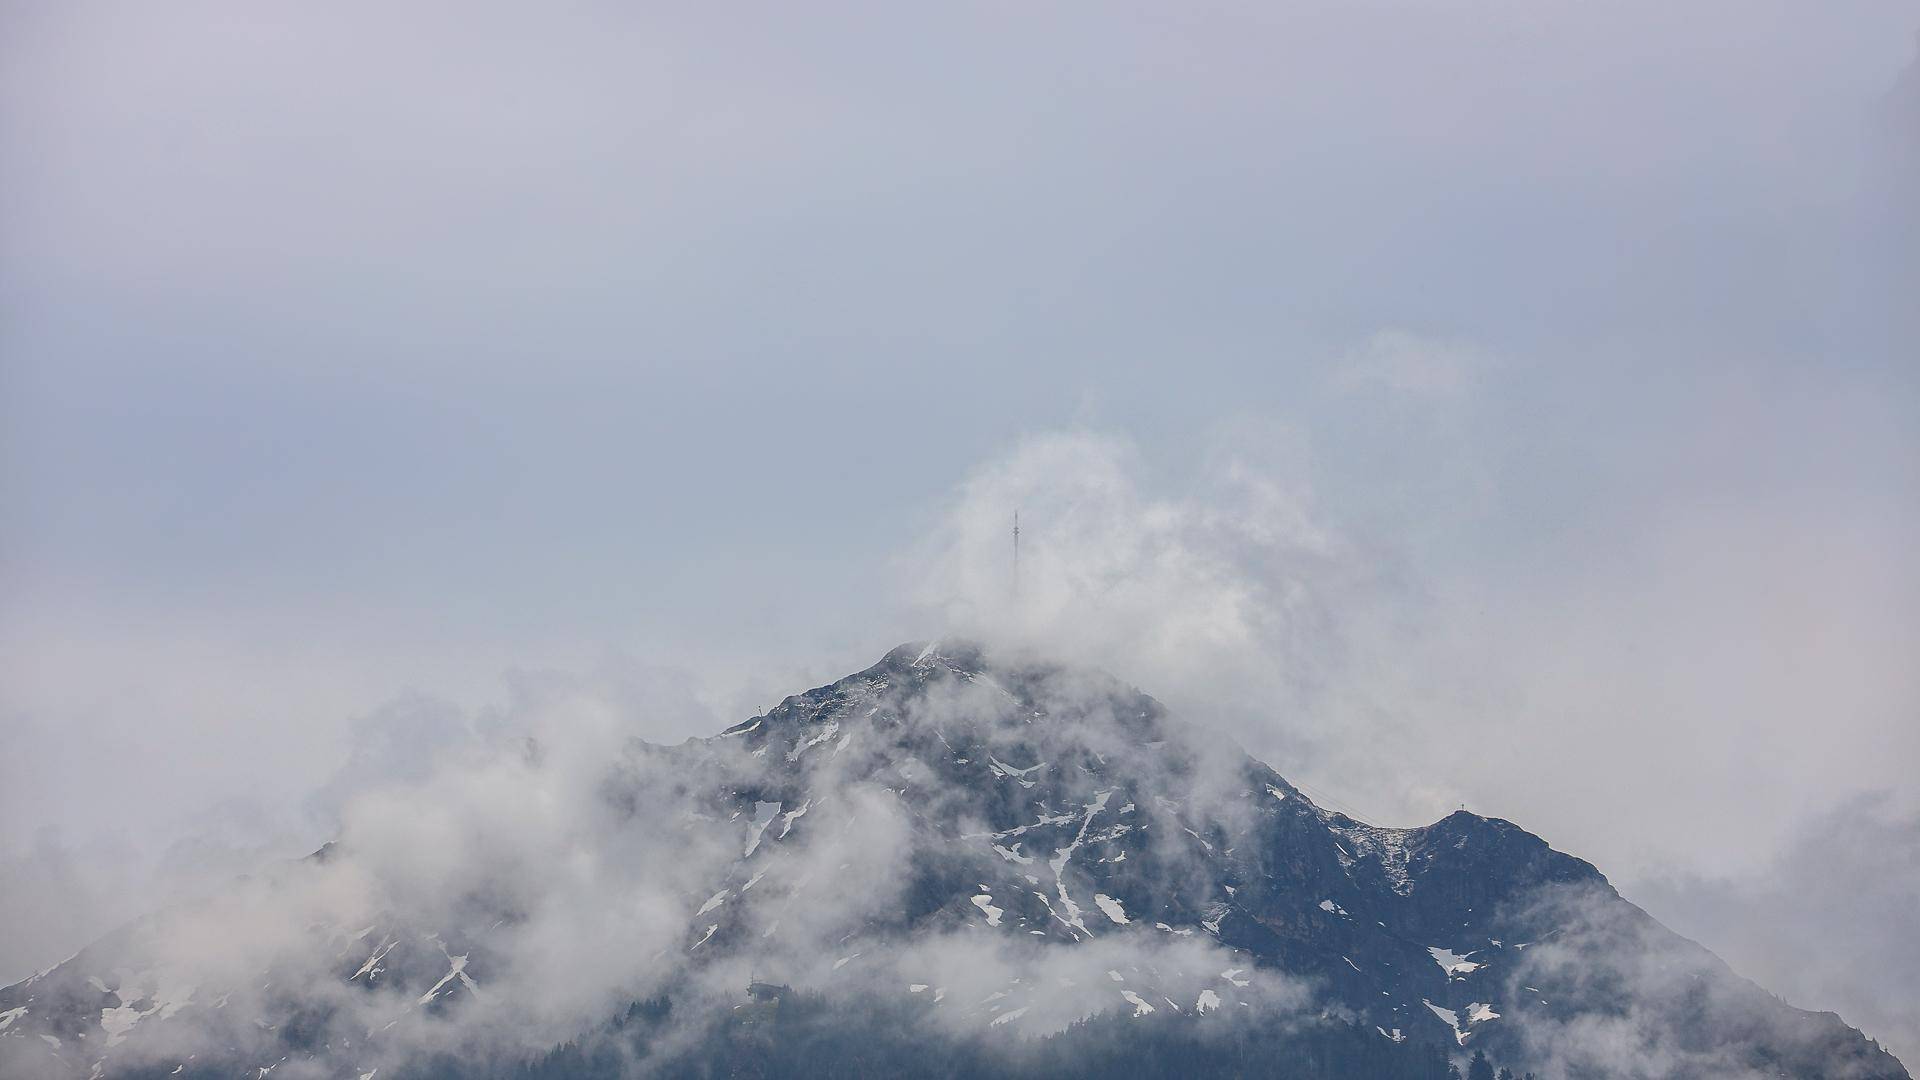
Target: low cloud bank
1830,923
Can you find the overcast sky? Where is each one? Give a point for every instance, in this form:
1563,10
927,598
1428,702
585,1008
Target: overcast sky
1514,405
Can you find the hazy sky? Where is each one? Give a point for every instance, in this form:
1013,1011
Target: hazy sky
1509,404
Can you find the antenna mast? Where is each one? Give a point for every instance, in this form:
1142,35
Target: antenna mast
1016,553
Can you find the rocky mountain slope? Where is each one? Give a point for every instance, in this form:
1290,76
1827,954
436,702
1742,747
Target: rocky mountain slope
1000,849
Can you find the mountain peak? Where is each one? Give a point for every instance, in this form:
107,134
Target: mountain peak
995,847
961,654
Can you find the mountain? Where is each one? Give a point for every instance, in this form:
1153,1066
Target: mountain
951,863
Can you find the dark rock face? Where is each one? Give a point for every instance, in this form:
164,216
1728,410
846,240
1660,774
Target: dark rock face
1055,809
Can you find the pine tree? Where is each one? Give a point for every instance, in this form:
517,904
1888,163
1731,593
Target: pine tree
1479,1068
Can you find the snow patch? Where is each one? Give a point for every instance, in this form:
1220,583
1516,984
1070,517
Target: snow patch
985,903
762,817
827,731
1451,962
786,822
458,970
119,1020
1064,855
1450,1018
1013,855
1007,772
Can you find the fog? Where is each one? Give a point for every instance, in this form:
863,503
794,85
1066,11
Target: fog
1511,406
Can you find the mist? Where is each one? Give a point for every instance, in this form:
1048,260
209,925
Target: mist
1514,408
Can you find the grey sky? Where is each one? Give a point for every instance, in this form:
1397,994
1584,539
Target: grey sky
1516,403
